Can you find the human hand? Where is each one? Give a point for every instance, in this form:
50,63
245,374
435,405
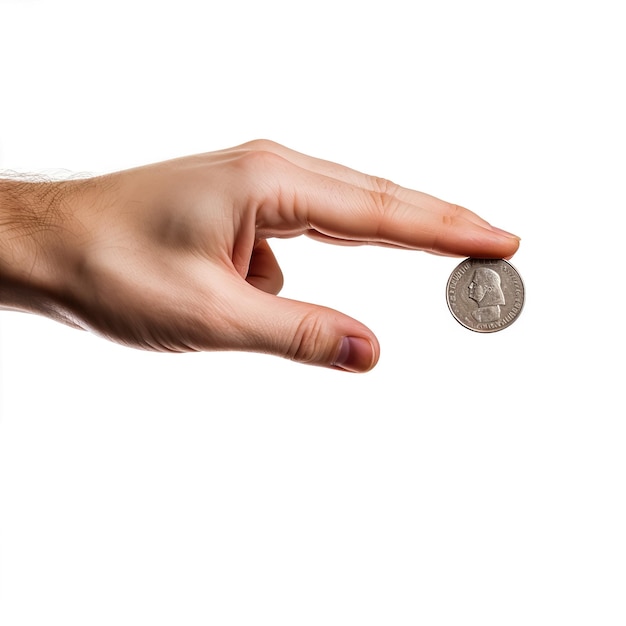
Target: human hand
174,256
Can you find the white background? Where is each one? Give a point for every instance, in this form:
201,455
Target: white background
468,479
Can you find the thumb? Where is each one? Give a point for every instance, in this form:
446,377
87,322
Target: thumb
303,332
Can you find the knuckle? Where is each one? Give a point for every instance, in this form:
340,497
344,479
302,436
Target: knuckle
383,193
263,145
259,162
385,202
451,216
308,341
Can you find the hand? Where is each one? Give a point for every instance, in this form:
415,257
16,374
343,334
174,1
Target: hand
174,256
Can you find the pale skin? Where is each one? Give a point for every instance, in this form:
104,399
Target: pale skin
174,256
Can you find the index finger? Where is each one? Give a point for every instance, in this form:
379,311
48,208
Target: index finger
353,177
379,213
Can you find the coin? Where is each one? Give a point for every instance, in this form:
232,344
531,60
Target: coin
485,295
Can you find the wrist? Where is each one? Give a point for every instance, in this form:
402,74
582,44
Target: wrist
33,244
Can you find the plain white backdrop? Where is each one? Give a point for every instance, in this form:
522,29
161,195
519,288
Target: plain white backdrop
468,479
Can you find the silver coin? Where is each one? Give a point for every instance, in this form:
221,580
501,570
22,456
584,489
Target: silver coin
485,295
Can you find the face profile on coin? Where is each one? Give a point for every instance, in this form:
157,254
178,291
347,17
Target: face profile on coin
485,295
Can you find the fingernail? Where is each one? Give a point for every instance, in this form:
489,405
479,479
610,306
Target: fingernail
355,355
504,232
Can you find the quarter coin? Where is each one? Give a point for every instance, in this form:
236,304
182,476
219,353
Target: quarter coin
485,295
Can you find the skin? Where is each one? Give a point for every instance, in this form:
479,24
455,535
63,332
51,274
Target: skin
174,256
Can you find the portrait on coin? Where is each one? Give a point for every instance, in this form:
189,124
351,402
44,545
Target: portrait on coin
486,291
